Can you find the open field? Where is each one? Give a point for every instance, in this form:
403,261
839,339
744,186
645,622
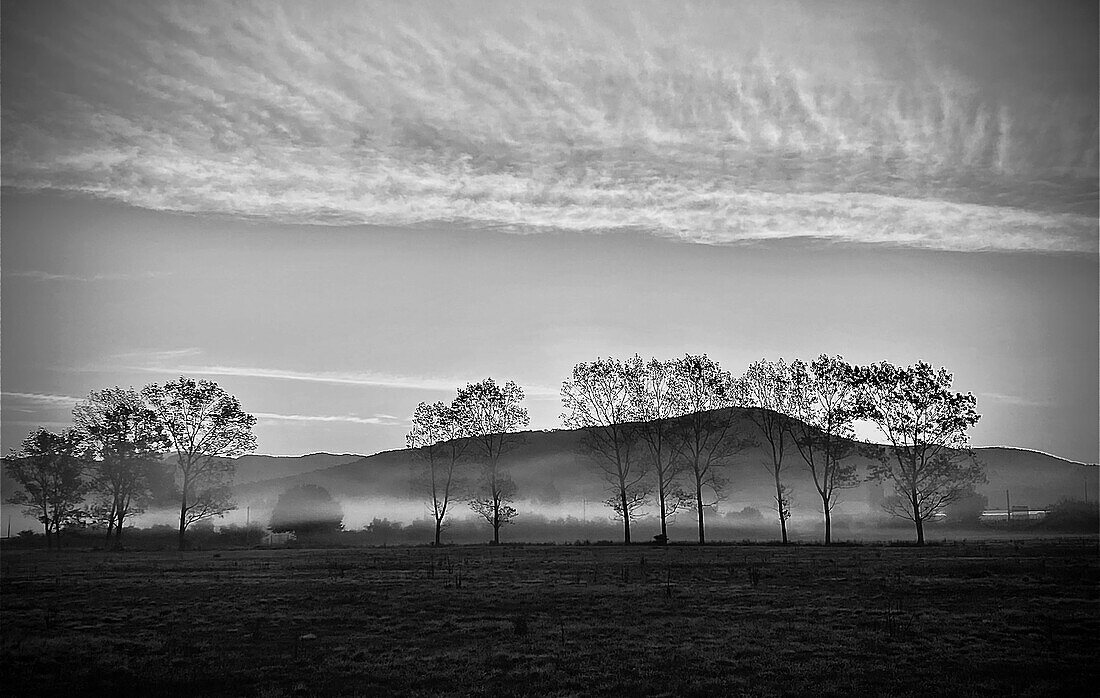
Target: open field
982,618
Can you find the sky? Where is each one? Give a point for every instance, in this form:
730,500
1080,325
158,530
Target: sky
338,210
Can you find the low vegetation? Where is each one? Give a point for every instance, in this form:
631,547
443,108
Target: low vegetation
996,618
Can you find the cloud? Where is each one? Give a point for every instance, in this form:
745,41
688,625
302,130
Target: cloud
709,123
376,420
157,356
373,379
1015,400
43,398
330,377
50,276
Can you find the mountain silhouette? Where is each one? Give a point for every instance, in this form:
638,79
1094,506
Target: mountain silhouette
556,478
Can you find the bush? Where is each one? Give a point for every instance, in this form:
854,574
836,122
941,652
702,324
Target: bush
1072,515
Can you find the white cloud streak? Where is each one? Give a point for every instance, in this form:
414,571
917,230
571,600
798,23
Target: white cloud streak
43,398
709,123
379,380
50,276
1014,400
376,420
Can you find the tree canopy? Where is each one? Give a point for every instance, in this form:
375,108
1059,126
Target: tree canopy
928,463
307,510
207,427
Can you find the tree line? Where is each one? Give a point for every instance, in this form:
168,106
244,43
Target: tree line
108,466
661,434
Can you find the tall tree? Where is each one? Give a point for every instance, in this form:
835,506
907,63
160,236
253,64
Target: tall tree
50,468
492,416
709,436
598,400
824,401
124,439
207,427
766,387
437,435
928,460
654,405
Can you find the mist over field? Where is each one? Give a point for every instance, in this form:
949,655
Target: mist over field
560,493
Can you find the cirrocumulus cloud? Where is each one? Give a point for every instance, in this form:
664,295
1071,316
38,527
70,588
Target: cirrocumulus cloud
708,122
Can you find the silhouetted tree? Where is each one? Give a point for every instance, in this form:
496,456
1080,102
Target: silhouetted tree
384,530
124,439
708,428
654,405
307,510
492,416
207,427
598,400
824,400
928,461
50,468
766,387
437,435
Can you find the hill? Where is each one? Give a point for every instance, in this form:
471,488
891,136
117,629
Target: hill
556,479
252,468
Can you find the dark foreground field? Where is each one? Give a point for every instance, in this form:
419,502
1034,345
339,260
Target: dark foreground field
992,618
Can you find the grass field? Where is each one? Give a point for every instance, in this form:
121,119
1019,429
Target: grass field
990,618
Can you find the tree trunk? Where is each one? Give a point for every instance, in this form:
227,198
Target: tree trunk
780,501
438,528
828,521
183,522
626,518
496,523
918,520
699,507
664,526
118,529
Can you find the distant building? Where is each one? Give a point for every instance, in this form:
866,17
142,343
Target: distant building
1021,512
272,539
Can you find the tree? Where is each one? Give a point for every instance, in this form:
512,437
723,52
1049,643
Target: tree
766,387
206,427
50,468
124,439
928,459
653,405
437,435
307,510
708,428
824,401
598,400
492,415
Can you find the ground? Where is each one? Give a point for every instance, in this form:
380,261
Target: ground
957,618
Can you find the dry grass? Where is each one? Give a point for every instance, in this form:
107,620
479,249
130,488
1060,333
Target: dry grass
956,619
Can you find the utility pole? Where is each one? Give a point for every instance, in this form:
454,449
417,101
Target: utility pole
1008,506
247,516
